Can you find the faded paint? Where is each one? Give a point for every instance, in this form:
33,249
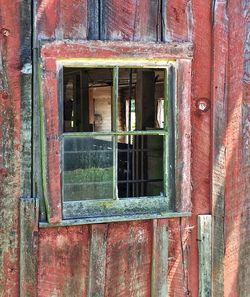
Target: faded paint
218,27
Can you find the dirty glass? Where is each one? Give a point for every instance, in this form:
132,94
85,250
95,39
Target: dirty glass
87,168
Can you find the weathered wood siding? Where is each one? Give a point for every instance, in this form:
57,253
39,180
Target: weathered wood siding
237,182
220,156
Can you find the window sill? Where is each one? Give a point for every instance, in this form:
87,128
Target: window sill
99,220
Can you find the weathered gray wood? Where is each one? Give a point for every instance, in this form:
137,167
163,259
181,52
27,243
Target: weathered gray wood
113,49
28,246
97,260
93,19
100,220
26,98
205,254
182,137
219,124
159,284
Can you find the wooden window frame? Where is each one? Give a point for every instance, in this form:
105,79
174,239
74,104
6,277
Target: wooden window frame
95,54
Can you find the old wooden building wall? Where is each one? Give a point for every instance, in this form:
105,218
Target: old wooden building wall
116,259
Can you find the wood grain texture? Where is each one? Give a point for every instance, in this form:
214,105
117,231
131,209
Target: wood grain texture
180,257
159,283
179,20
29,209
63,262
100,49
9,146
201,131
237,155
204,237
97,260
129,249
58,19
183,138
50,140
219,95
130,20
26,98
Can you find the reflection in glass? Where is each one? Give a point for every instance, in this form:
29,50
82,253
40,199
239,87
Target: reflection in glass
88,168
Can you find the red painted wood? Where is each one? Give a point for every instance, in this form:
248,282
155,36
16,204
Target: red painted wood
219,97
183,142
129,259
129,20
51,111
237,227
201,134
58,19
92,49
73,19
179,20
63,262
47,18
63,252
9,146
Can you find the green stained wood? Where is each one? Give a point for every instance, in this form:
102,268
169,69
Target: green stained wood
114,128
165,141
26,98
28,246
124,218
117,133
97,260
159,272
43,147
205,255
171,120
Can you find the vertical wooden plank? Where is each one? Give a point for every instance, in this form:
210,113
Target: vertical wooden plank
129,251
205,255
179,20
219,118
130,20
10,146
183,137
93,19
73,19
63,262
97,260
26,100
159,284
47,19
50,144
28,247
237,186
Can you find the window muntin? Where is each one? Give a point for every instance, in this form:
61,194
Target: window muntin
119,165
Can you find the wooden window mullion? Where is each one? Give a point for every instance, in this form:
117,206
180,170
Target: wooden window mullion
114,129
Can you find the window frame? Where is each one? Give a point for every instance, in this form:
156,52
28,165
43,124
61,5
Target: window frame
81,212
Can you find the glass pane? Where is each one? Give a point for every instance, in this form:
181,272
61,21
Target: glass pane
140,99
88,168
140,166
87,99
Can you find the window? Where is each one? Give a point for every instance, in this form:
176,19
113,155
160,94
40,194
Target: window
121,133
